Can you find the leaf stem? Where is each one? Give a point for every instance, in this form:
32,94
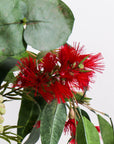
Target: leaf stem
31,54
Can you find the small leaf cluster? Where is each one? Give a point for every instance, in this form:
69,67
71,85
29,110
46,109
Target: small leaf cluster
9,136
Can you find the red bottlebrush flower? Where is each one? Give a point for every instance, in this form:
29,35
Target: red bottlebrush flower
70,126
27,63
77,68
57,91
61,92
49,61
82,79
42,79
56,76
93,62
28,70
67,54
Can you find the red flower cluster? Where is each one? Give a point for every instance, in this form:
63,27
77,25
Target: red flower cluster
57,74
70,125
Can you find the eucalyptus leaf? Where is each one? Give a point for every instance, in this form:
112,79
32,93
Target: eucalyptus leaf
106,131
86,132
11,28
49,24
28,115
52,122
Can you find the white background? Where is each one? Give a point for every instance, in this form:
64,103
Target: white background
94,28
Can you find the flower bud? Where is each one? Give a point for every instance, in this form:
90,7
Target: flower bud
2,109
1,99
80,93
71,114
1,119
1,128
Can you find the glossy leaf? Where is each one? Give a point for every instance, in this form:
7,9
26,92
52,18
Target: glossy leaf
49,24
6,66
52,122
106,131
82,113
11,28
34,136
86,132
28,115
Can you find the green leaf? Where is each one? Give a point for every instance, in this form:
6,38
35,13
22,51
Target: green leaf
28,115
40,100
84,113
6,66
49,24
106,131
52,122
86,132
34,136
11,27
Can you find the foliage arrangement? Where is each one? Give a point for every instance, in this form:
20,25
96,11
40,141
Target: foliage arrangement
52,84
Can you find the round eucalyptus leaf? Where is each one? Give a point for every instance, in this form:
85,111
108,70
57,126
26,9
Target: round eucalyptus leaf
11,28
49,24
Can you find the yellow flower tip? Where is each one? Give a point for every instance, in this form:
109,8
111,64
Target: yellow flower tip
1,119
80,93
81,66
1,99
74,64
1,129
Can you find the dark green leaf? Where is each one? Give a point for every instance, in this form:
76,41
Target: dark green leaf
86,132
28,115
40,100
52,122
6,66
84,113
106,131
11,28
81,112
49,24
